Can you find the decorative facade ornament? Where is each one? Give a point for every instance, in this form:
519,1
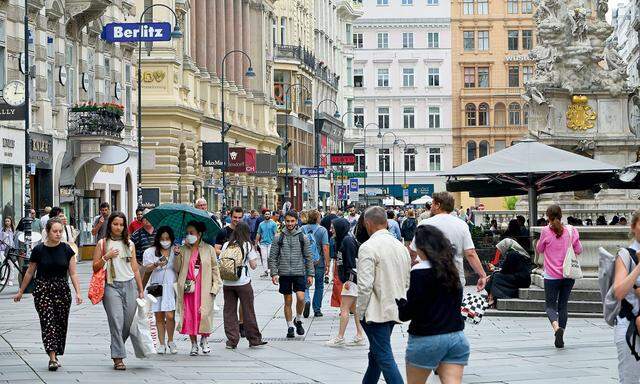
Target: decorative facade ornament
580,116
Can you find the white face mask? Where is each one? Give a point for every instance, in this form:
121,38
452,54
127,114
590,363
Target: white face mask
191,239
165,244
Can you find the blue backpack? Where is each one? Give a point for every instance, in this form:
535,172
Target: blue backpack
313,244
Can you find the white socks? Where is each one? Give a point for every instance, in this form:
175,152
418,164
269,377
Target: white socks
289,324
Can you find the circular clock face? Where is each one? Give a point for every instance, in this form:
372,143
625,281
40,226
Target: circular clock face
13,93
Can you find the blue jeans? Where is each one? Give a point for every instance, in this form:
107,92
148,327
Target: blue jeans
318,292
380,354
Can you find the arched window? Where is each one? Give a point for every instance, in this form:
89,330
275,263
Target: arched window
483,114
525,114
484,148
470,114
500,115
514,114
471,150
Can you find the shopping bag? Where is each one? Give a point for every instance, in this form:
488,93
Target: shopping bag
473,307
96,286
140,331
571,266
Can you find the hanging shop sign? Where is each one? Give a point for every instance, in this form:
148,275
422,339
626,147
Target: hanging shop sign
343,159
41,150
250,160
214,154
266,165
134,32
237,157
150,197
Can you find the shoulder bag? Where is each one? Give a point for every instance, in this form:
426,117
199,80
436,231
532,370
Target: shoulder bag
98,281
571,266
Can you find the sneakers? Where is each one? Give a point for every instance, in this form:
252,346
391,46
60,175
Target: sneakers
243,333
194,350
229,346
204,345
162,349
559,342
259,344
307,309
336,342
173,348
291,333
358,340
299,328
317,314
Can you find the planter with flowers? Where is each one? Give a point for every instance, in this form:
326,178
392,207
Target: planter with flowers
102,119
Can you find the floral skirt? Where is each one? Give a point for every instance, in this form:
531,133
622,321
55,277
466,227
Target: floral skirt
52,298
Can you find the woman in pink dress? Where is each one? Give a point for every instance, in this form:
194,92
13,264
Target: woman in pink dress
198,283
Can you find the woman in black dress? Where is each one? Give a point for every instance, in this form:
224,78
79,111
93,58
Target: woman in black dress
52,262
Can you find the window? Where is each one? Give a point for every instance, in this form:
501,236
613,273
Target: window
50,82
435,159
383,40
384,159
469,77
383,77
527,39
483,40
409,117
127,91
467,7
470,115
433,77
383,117
358,77
500,115
107,78
527,73
432,2
434,117
483,7
359,166
471,150
50,69
350,71
525,114
512,40
514,114
358,40
382,2
410,159
527,6
483,115
514,76
358,116
274,30
407,77
407,40
348,32
71,74
468,41
407,2
433,39
483,149
512,6
283,30
91,94
483,77
499,145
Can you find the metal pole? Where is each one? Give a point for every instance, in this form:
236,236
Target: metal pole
342,166
316,137
27,138
286,151
223,132
364,143
384,164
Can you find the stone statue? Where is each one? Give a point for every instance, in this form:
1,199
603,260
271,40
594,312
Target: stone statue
579,24
612,57
602,7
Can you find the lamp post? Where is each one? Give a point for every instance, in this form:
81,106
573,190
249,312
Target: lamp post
27,138
318,130
223,128
364,144
404,168
177,33
381,137
342,146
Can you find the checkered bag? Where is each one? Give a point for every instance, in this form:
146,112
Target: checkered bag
473,307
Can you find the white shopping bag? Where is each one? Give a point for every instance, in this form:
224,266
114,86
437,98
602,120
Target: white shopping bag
140,332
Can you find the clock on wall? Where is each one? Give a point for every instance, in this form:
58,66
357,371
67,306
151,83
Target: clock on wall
14,93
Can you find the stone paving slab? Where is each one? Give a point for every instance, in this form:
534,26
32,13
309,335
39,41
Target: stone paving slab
504,350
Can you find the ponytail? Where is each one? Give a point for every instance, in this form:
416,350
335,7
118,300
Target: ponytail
554,213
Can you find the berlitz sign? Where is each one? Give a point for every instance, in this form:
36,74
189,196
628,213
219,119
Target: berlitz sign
134,32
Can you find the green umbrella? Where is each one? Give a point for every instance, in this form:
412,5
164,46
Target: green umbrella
177,216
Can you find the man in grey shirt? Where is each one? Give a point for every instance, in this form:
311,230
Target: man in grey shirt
99,229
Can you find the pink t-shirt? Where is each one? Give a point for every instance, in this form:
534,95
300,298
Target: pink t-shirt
555,249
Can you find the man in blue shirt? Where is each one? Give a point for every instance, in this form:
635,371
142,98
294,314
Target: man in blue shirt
394,227
322,243
264,238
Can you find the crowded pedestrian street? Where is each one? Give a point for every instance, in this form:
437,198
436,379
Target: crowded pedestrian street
504,350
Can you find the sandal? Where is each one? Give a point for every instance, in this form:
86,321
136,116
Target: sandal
119,366
53,365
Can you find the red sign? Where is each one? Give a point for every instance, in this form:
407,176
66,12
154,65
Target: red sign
323,145
343,159
237,160
250,160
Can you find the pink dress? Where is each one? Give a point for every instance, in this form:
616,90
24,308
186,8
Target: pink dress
192,301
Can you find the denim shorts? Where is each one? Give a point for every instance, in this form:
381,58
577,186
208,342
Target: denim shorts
429,351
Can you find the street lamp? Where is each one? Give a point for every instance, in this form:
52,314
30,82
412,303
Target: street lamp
364,144
404,165
223,128
317,136
342,145
176,33
381,137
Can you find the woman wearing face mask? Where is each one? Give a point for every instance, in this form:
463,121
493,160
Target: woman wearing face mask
159,260
198,283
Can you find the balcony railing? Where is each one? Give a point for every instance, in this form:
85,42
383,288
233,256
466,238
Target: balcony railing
307,58
96,120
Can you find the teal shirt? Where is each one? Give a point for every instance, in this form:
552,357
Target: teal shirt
267,231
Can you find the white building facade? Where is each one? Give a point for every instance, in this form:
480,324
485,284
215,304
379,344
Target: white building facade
402,84
626,23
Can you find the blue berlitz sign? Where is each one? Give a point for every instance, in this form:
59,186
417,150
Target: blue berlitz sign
134,32
312,171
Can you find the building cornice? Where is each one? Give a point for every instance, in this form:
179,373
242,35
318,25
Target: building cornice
403,23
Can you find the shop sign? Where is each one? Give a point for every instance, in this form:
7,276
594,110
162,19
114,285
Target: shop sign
237,157
266,165
8,143
516,58
312,171
343,159
9,112
150,197
134,32
353,185
250,160
349,175
41,150
214,154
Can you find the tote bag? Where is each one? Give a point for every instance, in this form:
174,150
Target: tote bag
571,266
98,281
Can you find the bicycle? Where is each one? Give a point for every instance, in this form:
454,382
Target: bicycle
11,256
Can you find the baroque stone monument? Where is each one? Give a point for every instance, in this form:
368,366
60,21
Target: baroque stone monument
578,98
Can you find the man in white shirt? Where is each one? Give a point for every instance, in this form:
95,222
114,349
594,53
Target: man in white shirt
44,218
457,231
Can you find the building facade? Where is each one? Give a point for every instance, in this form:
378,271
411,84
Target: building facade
491,41
182,97
402,97
626,23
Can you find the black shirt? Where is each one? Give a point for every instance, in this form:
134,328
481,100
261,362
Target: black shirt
349,251
224,235
142,240
431,309
52,261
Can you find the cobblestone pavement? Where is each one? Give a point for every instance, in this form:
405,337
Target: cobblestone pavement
504,350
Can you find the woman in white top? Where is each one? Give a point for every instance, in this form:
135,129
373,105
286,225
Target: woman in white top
626,285
240,289
159,260
117,253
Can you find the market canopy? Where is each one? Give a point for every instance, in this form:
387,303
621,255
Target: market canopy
426,199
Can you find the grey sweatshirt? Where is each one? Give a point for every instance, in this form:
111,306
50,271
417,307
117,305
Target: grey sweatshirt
290,259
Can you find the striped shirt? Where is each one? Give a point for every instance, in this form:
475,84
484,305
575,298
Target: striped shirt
142,240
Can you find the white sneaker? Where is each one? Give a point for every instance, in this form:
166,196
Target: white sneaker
204,345
335,342
162,349
173,348
194,349
358,340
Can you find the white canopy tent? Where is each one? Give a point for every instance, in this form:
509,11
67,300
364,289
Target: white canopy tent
426,199
389,201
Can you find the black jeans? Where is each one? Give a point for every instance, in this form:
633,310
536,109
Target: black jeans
556,294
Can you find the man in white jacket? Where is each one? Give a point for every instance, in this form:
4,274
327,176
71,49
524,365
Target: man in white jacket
383,269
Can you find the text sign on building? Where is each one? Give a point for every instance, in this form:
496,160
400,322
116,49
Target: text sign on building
9,112
250,160
237,160
150,197
134,32
214,154
343,159
312,171
41,150
353,185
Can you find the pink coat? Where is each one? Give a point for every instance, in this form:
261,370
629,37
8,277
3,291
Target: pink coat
555,249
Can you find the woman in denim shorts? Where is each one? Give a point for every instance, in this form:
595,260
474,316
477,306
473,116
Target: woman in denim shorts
436,338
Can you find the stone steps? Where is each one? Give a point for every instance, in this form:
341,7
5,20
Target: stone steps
506,313
533,305
536,293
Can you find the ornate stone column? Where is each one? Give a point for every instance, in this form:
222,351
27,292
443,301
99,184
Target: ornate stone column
228,34
211,37
220,30
201,31
246,32
192,30
237,43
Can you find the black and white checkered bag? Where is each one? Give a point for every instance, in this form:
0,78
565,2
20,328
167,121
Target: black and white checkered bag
473,307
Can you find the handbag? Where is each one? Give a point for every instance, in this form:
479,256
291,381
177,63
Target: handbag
473,307
155,289
97,283
571,266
